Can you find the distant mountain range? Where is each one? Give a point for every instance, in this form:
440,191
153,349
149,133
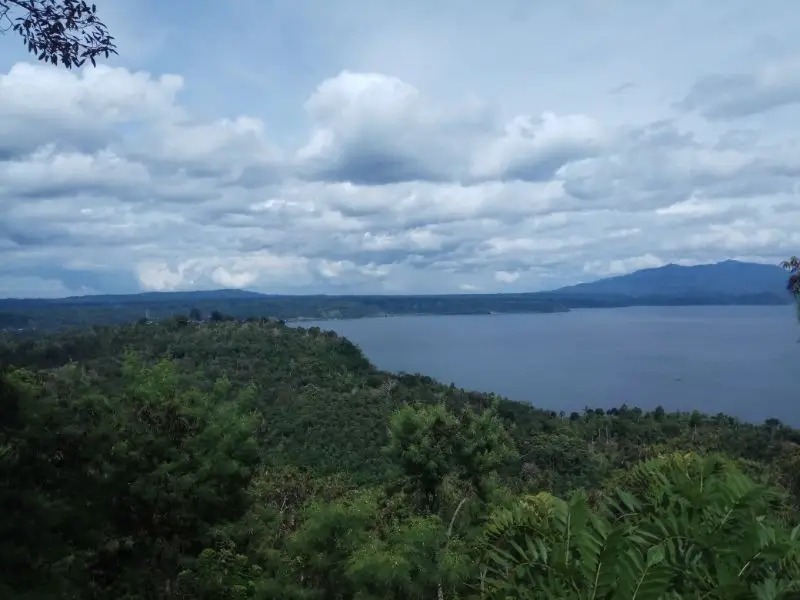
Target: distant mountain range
728,282
145,297
727,278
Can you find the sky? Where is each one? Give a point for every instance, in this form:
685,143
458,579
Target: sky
421,146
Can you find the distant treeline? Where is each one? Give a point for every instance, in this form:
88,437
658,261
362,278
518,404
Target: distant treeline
23,314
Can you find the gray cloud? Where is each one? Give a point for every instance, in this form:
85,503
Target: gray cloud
373,164
739,95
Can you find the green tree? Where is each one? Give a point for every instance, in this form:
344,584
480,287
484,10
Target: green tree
430,443
409,562
110,496
445,460
327,540
219,574
65,32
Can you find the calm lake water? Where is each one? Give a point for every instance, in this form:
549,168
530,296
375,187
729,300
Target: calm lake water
738,360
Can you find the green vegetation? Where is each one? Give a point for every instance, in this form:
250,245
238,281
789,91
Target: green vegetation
229,460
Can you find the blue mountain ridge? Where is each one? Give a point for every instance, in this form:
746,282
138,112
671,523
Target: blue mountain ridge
730,277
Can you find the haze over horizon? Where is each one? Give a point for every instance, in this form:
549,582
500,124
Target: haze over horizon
400,147
743,281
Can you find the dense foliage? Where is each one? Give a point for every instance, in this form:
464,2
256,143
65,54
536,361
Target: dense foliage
698,528
227,460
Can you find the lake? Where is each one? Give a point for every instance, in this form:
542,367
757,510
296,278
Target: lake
739,360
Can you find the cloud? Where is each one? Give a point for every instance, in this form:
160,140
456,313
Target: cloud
535,149
370,128
221,271
739,95
77,110
621,266
506,277
46,172
26,286
376,173
235,150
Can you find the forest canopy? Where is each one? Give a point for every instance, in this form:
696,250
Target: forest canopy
221,459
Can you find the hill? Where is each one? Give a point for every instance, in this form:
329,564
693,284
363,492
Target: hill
729,278
255,460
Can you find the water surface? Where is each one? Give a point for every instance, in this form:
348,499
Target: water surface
738,360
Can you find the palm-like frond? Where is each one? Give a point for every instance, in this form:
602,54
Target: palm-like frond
691,527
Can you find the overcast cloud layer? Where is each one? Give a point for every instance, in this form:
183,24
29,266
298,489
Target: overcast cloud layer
395,147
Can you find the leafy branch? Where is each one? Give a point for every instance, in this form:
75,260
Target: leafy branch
58,31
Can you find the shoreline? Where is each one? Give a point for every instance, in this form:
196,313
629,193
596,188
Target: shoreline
563,310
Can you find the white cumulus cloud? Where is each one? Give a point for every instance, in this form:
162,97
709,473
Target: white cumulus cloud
547,153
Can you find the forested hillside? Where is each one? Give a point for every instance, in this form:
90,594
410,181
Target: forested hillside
254,460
